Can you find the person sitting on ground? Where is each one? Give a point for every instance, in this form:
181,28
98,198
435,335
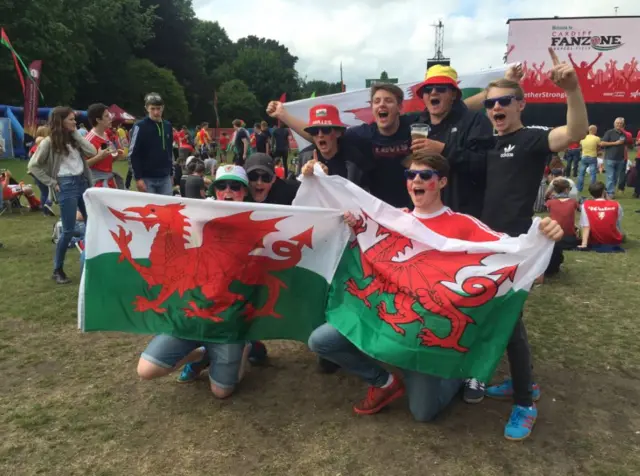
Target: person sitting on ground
12,190
428,395
165,354
194,186
557,173
562,208
188,169
600,219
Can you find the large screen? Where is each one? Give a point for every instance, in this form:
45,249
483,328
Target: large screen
604,52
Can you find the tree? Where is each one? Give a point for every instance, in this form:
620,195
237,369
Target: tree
140,77
217,48
384,76
235,101
321,88
265,72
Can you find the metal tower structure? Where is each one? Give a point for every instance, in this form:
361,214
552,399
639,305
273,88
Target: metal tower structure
439,57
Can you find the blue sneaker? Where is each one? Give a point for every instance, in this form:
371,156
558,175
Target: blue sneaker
191,372
504,391
520,422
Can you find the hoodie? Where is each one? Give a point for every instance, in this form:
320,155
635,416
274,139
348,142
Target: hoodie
150,152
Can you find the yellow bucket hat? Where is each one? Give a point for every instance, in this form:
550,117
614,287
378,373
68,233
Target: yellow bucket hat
439,74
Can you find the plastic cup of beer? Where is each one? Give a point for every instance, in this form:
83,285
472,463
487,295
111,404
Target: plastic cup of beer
420,131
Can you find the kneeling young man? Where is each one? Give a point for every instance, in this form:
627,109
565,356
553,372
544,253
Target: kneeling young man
226,362
428,395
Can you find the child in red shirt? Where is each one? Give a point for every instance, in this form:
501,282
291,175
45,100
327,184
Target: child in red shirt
279,169
563,209
102,138
600,220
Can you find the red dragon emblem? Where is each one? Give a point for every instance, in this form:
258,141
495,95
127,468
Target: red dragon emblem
421,280
223,257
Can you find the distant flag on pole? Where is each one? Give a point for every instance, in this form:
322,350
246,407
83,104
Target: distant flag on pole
215,108
17,61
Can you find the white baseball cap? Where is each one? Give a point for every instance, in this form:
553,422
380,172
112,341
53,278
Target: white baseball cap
232,172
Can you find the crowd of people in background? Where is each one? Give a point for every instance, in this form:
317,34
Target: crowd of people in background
460,162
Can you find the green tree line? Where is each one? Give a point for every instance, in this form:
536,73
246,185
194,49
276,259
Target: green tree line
115,51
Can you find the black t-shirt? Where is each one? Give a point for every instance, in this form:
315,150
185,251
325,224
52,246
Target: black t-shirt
241,134
193,186
348,162
614,152
282,192
281,136
514,171
387,153
261,142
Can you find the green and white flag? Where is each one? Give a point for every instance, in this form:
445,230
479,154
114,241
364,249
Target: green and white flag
206,270
418,300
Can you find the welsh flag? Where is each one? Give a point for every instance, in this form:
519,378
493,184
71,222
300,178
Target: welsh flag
409,297
206,270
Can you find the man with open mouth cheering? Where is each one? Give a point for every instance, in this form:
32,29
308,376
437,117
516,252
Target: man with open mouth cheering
461,135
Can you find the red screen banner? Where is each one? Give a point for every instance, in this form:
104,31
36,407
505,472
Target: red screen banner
603,52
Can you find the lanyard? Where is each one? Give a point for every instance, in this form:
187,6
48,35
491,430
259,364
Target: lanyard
161,133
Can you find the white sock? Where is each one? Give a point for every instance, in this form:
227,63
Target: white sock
389,381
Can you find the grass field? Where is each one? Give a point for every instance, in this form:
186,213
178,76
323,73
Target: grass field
71,404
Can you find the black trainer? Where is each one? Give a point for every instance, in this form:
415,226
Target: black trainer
60,277
327,367
473,391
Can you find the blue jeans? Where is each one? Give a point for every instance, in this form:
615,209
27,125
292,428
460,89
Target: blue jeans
612,168
427,394
225,359
572,156
70,201
44,191
585,163
159,185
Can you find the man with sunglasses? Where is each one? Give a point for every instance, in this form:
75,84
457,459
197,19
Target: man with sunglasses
427,395
338,156
461,135
151,153
264,185
515,166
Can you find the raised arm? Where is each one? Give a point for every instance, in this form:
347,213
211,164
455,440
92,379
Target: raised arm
476,102
277,110
565,77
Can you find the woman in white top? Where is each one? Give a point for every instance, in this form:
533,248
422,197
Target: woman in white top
59,163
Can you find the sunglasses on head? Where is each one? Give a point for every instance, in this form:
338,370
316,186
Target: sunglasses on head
438,89
504,101
222,185
424,174
254,176
316,130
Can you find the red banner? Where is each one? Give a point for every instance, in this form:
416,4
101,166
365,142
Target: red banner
31,96
603,52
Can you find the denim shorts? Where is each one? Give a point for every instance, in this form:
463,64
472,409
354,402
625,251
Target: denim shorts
166,351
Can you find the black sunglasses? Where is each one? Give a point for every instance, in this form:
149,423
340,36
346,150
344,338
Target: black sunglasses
438,89
424,174
504,101
254,176
316,130
222,185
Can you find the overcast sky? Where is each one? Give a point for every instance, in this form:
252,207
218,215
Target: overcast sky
392,35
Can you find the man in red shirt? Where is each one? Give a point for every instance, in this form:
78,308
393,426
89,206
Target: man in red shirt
101,138
600,219
427,394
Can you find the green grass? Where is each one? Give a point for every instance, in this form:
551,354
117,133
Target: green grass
70,403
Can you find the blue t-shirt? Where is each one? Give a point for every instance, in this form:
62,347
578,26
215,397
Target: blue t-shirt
387,153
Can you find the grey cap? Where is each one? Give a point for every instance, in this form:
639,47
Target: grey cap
260,161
